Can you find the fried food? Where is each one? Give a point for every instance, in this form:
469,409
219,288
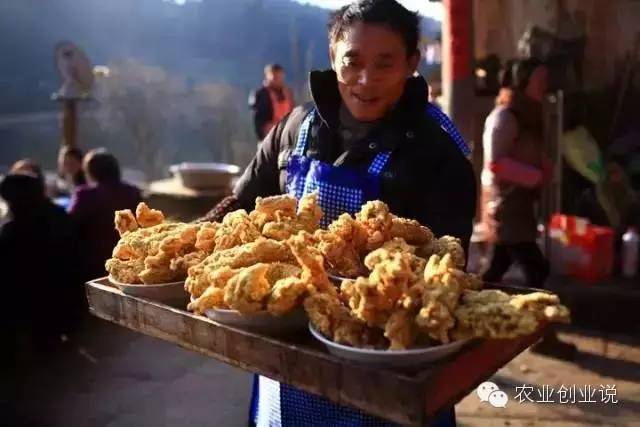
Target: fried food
260,251
206,237
236,229
376,220
245,291
125,271
274,208
351,231
340,256
392,247
442,246
400,330
496,314
410,231
309,212
125,221
311,261
212,297
286,294
147,217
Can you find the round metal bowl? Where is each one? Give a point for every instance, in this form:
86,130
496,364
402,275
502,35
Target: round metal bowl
168,293
390,358
262,322
201,176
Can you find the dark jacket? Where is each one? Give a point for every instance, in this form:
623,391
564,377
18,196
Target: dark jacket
92,209
40,262
260,103
427,177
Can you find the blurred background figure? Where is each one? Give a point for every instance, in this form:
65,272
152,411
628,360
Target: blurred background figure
514,173
93,205
40,260
271,102
70,169
27,166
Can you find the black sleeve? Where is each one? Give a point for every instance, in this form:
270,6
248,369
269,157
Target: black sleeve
449,205
260,103
261,177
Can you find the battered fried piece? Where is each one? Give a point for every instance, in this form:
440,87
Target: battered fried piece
236,229
125,221
311,261
182,264
125,251
496,320
340,256
281,270
274,208
411,231
205,239
211,298
282,230
543,305
351,231
442,246
435,317
246,290
392,279
286,294
365,301
127,271
377,221
396,246
261,251
148,217
400,330
333,320
309,212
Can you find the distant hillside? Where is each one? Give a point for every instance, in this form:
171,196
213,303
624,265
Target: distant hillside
211,41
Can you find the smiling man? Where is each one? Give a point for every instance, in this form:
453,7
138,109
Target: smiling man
369,133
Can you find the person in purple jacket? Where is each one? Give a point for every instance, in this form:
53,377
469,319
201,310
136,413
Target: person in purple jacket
93,205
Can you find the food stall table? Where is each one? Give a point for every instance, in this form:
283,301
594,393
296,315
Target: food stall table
406,397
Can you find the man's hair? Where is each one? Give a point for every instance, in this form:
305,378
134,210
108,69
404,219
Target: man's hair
389,13
102,167
272,68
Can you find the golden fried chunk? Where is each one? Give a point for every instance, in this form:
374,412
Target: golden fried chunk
435,317
205,239
282,270
543,305
246,290
377,221
442,246
309,212
282,230
148,217
236,229
125,221
392,279
340,256
400,330
411,231
351,231
127,271
285,295
496,320
311,261
274,208
396,246
211,298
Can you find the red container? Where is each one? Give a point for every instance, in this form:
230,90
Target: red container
592,244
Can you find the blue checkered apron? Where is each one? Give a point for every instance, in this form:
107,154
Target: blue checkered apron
340,190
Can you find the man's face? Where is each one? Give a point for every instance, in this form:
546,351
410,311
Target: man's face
372,66
275,78
538,83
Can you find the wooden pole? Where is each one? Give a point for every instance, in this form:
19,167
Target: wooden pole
69,122
457,64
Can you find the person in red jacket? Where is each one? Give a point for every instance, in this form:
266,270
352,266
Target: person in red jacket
271,102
